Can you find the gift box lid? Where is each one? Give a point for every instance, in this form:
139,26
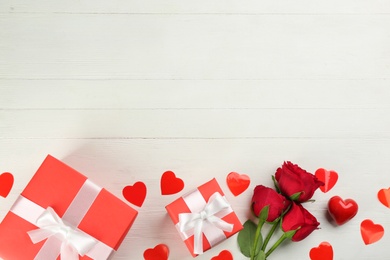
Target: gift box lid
55,185
204,193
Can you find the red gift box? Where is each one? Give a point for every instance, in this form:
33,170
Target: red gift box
203,217
98,220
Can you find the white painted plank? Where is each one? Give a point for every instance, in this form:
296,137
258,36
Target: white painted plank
196,123
76,46
124,90
117,163
200,6
185,94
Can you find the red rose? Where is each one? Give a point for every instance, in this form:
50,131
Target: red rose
263,196
298,218
292,179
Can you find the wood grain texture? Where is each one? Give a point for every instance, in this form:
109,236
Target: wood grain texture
125,90
349,7
87,46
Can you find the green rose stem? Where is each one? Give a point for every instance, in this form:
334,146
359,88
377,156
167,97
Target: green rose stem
277,243
274,226
257,238
262,219
269,235
283,237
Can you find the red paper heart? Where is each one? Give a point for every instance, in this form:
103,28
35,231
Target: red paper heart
323,252
224,255
237,183
135,194
329,178
170,184
159,252
384,197
342,210
6,183
371,232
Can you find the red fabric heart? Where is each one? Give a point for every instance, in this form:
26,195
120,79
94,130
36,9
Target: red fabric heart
159,252
328,177
6,183
342,210
135,194
371,232
224,255
237,183
323,252
384,197
170,184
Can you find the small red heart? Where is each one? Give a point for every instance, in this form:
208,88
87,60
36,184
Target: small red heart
342,210
384,197
329,178
323,252
6,183
159,252
224,255
237,183
371,232
135,194
170,184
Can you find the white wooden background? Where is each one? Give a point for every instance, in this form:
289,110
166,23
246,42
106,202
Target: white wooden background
124,90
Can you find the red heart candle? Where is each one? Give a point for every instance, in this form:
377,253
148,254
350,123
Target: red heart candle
237,183
342,210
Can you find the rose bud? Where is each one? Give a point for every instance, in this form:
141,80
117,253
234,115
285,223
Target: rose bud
298,218
293,180
263,196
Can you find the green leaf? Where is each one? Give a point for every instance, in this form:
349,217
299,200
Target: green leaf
295,196
246,238
260,255
264,214
276,184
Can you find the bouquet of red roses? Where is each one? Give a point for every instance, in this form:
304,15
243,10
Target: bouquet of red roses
280,207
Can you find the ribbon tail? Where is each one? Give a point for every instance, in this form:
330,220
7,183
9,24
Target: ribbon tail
221,224
68,252
37,235
198,238
81,242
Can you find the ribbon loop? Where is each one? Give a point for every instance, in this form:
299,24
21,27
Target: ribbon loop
195,223
74,242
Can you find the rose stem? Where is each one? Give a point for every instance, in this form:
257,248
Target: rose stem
277,243
257,236
269,235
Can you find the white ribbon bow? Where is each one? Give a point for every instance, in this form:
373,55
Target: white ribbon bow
195,221
74,242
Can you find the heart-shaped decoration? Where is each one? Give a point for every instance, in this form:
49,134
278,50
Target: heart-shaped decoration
224,255
371,232
6,183
159,252
135,194
384,197
329,178
237,183
170,184
323,252
342,210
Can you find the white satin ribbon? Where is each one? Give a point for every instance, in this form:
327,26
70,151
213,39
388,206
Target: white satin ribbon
74,242
196,223
54,245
